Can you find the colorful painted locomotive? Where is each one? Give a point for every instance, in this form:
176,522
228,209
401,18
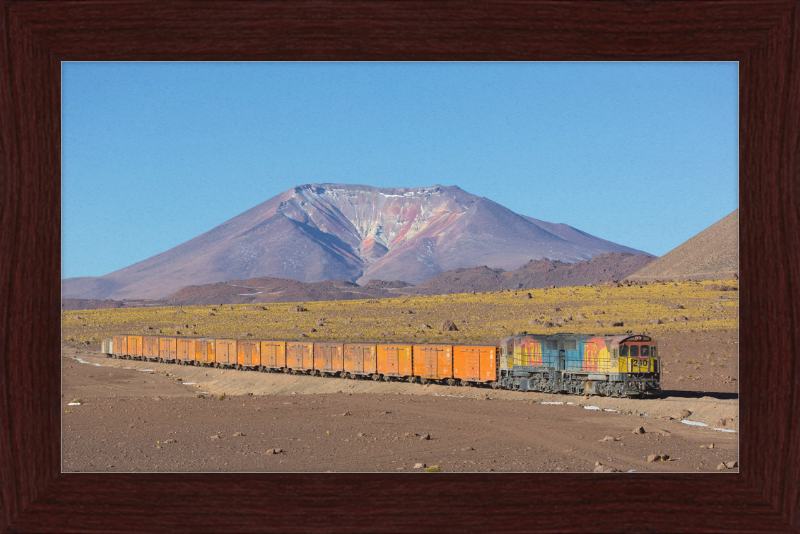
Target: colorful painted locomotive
616,366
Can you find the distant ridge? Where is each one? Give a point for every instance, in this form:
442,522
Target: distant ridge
713,254
613,266
534,274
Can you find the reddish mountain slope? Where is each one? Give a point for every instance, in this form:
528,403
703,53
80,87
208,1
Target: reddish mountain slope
350,232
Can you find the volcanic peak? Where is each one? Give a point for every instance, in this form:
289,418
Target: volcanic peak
372,220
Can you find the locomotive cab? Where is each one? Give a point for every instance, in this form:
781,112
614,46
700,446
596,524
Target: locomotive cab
639,372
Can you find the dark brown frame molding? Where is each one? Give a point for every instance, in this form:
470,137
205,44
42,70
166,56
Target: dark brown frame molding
37,35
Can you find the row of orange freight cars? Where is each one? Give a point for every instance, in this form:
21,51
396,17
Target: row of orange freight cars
450,364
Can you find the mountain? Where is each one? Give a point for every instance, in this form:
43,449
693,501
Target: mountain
713,254
356,233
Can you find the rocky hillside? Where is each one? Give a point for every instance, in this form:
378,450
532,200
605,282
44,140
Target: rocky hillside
357,233
713,254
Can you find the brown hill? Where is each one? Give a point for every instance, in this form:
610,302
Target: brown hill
713,254
263,290
535,274
358,233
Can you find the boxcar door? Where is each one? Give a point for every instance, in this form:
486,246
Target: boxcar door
308,357
326,351
431,362
392,358
472,360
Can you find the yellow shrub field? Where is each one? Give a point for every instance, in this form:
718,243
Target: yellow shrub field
480,317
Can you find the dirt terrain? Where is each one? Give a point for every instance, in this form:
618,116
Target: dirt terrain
147,417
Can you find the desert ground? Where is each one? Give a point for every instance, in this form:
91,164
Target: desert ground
138,416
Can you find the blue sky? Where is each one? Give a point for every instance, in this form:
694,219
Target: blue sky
154,154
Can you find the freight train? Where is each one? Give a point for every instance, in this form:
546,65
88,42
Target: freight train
615,366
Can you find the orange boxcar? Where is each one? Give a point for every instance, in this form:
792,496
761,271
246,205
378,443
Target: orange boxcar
300,356
135,347
205,352
475,364
360,359
185,350
273,354
120,346
433,362
248,353
167,349
394,361
225,352
150,348
328,358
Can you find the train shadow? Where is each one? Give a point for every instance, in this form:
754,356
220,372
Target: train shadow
699,394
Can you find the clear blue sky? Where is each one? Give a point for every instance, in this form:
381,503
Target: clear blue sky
154,154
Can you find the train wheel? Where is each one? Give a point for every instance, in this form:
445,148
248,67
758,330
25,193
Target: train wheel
451,382
495,385
423,380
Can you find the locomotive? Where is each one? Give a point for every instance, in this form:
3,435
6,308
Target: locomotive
578,364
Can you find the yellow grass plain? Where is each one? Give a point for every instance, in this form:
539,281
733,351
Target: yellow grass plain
480,317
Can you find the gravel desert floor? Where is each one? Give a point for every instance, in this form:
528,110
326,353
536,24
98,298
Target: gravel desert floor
138,416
